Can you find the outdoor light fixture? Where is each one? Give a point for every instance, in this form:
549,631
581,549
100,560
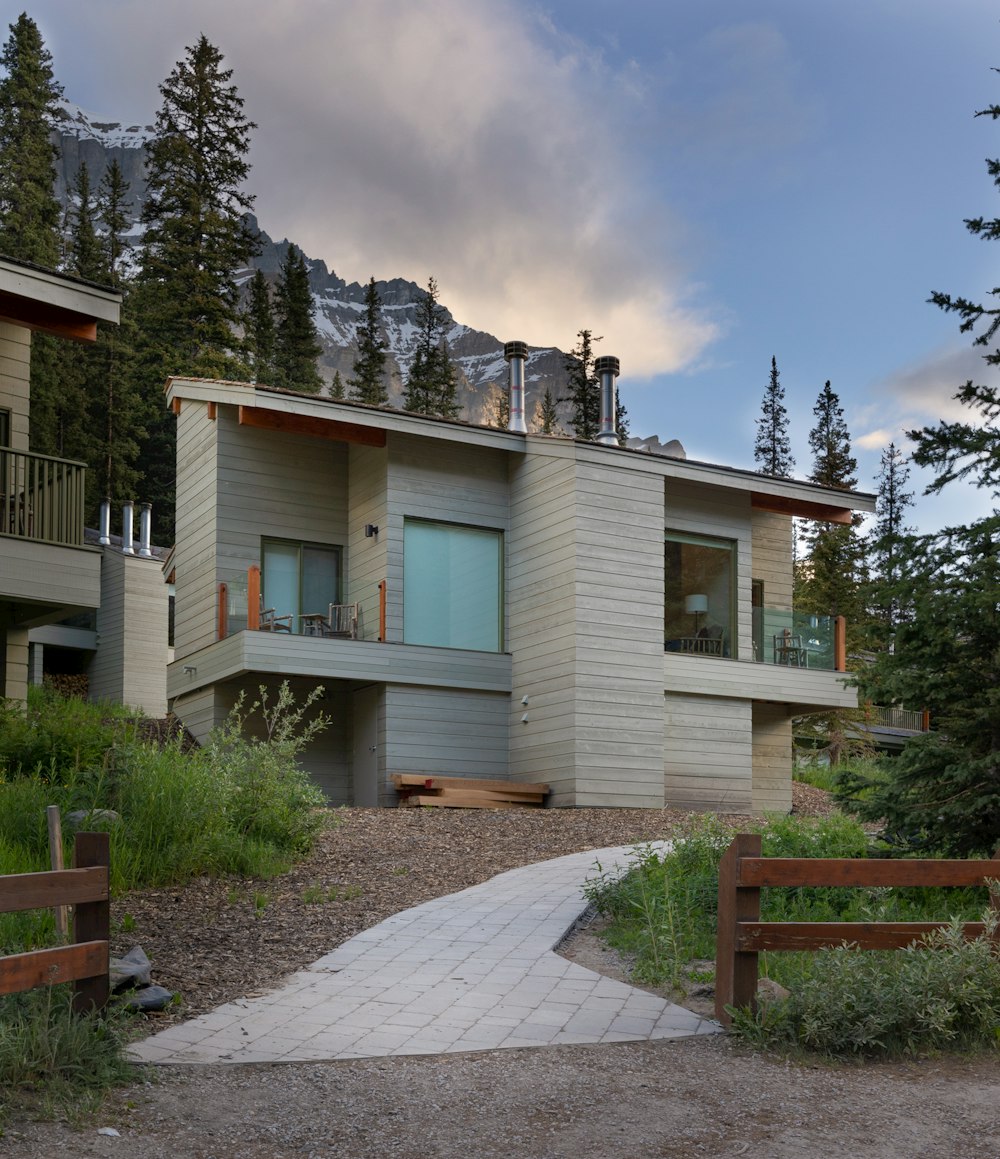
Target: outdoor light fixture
370,530
696,606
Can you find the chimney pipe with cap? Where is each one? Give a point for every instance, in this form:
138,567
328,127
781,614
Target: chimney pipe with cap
516,353
607,369
127,548
145,530
104,527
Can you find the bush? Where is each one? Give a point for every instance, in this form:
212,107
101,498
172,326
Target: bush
942,993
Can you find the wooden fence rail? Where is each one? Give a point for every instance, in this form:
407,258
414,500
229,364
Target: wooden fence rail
85,962
742,935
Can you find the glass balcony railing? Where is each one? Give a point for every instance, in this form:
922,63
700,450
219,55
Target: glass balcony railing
795,639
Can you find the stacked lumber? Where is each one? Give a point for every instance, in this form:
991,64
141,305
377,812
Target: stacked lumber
466,792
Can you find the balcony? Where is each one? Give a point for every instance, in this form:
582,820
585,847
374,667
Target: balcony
41,498
798,639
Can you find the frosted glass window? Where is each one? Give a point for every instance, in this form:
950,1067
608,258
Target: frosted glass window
452,587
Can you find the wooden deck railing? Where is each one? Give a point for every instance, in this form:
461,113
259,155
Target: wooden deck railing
41,497
85,962
742,935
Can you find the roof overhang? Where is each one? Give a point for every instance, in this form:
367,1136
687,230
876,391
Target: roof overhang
54,304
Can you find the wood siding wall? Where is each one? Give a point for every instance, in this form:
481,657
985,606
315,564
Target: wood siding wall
196,605
708,755
15,373
772,758
772,557
366,557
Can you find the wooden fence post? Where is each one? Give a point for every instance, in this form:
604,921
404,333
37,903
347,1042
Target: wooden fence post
56,863
92,921
735,971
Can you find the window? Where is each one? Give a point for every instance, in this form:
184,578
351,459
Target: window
4,428
452,586
699,595
299,578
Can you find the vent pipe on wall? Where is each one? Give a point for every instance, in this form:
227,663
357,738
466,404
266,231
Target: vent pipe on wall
145,530
516,353
104,527
127,548
607,369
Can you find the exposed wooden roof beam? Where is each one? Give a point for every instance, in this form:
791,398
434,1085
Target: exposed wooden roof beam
803,508
46,318
317,428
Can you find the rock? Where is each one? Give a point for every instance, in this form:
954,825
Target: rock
769,991
130,970
149,998
109,1131
90,818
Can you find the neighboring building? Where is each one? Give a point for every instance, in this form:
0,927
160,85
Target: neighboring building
67,604
617,623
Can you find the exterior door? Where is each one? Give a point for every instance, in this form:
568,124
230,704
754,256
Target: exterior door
366,762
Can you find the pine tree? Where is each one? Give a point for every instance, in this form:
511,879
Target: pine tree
337,386
29,212
259,331
197,238
773,450
86,256
621,421
368,381
887,552
829,581
583,387
296,342
430,385
545,420
496,406
112,210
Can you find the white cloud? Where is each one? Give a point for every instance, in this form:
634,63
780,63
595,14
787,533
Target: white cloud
466,139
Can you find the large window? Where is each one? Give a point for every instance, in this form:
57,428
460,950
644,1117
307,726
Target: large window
452,586
699,593
299,579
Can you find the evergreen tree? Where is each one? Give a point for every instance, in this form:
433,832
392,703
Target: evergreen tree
337,386
496,406
29,212
773,450
944,788
86,256
368,382
583,387
112,210
296,343
197,238
886,554
259,331
621,421
545,420
430,385
829,581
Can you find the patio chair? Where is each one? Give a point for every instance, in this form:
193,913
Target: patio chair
343,620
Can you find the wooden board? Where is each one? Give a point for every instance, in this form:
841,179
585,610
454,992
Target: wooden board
755,936
21,891
430,781
459,801
754,871
49,967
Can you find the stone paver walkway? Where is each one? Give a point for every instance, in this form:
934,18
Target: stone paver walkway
471,971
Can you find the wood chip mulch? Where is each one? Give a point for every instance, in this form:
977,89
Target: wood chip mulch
215,940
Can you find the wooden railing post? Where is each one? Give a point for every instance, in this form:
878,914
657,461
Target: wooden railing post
381,611
839,644
735,970
92,921
222,629
253,597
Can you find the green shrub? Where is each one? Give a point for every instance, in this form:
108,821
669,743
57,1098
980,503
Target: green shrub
940,994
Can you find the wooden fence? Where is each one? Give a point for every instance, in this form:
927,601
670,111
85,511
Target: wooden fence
742,935
85,961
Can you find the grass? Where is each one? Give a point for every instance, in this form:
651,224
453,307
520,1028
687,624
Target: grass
663,913
239,806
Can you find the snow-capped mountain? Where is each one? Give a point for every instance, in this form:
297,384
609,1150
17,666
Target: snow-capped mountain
478,357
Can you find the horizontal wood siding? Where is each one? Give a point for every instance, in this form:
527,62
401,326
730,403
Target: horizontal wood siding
366,556
447,732
107,669
772,557
772,759
806,689
48,581
708,756
541,628
454,483
15,374
619,644
276,485
195,621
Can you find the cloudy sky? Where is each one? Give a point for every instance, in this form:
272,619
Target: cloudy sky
704,185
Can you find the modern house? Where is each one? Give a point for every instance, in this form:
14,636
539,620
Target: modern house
57,591
495,604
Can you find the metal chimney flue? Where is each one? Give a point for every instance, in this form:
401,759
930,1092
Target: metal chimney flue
104,526
607,369
145,530
516,353
127,548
